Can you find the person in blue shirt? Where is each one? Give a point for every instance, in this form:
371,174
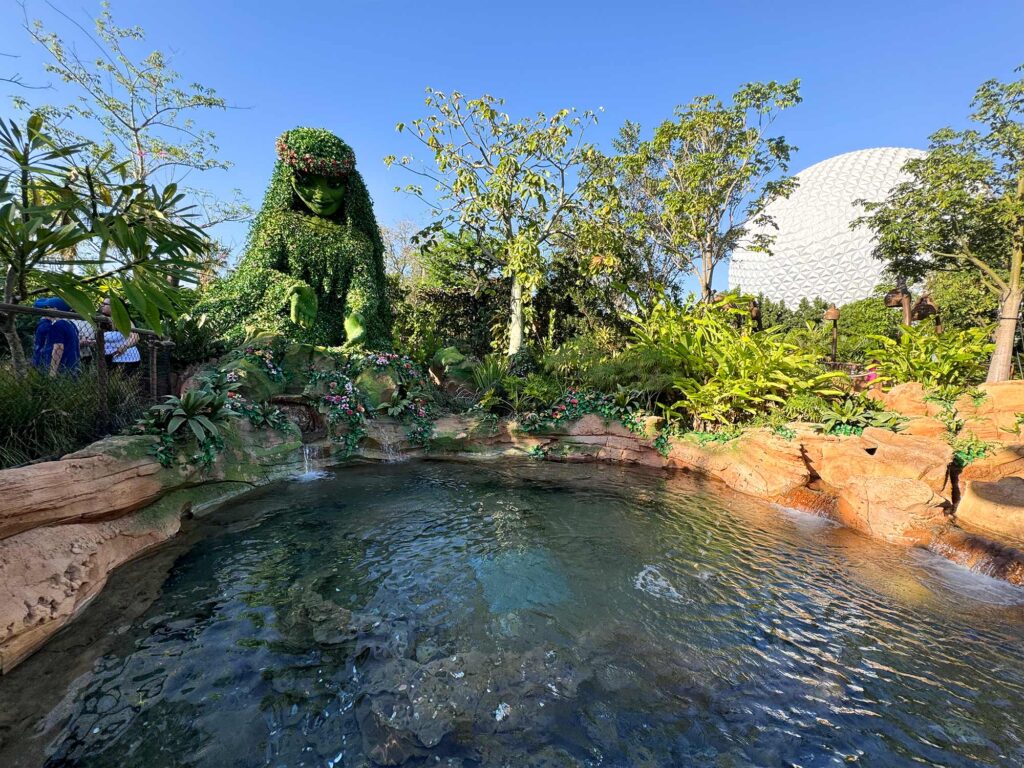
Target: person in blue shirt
56,341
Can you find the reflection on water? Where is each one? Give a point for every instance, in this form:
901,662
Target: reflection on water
521,615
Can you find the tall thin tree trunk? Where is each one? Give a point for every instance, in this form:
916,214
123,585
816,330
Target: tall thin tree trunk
10,329
10,332
515,321
1006,331
1009,308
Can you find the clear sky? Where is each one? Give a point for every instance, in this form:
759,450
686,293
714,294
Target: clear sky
874,73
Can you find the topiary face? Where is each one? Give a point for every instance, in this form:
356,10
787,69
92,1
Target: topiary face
322,195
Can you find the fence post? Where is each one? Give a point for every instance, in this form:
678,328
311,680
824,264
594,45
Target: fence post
151,350
101,374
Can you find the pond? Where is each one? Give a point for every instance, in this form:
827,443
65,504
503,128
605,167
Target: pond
525,614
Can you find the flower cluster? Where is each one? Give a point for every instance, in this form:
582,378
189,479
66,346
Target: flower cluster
264,357
312,150
343,404
577,403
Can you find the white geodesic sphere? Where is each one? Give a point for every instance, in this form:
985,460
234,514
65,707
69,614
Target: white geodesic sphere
815,253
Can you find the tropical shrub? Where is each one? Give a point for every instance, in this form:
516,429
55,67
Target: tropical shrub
199,411
489,375
624,407
195,341
601,360
952,359
724,374
194,418
854,413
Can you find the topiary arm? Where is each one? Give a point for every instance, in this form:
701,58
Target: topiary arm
365,305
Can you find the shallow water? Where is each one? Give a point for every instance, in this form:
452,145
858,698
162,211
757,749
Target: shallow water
528,614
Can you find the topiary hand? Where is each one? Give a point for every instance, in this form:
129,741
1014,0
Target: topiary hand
304,306
355,329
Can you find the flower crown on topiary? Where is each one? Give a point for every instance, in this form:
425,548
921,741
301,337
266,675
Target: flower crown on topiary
314,150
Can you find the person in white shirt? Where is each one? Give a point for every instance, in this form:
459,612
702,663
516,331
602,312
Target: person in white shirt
86,338
120,351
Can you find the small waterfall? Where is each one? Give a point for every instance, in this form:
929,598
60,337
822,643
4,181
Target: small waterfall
388,442
310,454
981,555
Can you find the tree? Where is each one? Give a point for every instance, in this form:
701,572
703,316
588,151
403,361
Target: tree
708,174
963,208
962,300
50,202
402,258
518,188
137,111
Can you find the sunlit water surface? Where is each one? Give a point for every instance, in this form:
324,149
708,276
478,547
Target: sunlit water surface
525,615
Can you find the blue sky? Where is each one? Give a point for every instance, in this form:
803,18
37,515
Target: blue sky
874,73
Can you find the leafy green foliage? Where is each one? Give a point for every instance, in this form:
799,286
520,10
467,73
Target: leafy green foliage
196,417
951,359
262,415
52,204
963,300
725,374
969,448
490,373
718,437
200,411
518,188
854,413
624,407
709,173
137,111
962,207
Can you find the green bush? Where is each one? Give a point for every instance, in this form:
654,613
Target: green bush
951,359
194,341
963,300
43,417
724,374
855,413
602,361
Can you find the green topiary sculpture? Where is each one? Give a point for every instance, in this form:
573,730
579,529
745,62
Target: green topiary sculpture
313,268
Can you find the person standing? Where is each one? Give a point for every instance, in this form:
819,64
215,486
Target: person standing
56,347
86,339
120,351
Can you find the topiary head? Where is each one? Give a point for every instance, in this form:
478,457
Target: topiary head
315,170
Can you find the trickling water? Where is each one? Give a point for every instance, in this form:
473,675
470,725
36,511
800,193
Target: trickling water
309,470
389,446
524,615
981,556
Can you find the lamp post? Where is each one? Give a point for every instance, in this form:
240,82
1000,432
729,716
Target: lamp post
832,313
